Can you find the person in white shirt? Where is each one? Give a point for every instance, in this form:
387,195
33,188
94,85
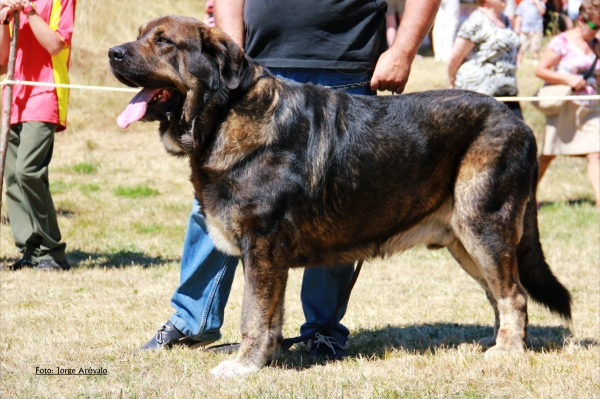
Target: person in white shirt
444,29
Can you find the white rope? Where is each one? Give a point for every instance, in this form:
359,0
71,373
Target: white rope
578,98
69,86
124,89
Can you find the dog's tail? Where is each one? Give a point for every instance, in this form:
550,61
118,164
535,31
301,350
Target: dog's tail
534,273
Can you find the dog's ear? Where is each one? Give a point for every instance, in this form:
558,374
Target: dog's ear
234,67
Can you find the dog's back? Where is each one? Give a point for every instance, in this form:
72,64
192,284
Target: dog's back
374,167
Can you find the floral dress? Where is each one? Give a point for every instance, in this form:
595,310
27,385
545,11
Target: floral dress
490,68
575,61
576,130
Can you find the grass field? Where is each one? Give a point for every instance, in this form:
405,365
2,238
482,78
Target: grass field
415,319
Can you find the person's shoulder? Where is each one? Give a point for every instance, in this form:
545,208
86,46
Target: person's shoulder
562,37
559,42
474,27
475,17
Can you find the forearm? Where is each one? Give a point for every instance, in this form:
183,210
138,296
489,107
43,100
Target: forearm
541,9
47,38
453,65
393,66
6,13
546,71
540,6
229,17
461,49
416,23
554,78
518,21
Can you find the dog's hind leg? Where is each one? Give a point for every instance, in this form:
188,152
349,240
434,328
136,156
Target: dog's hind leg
490,246
461,255
492,189
490,195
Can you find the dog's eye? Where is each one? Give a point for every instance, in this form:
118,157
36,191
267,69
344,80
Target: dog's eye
162,39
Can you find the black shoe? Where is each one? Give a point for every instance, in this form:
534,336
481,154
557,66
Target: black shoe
21,263
325,347
51,264
167,336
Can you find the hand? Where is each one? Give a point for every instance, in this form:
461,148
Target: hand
9,7
577,82
391,72
452,80
6,14
14,5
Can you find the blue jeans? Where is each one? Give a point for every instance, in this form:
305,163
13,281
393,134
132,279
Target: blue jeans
207,274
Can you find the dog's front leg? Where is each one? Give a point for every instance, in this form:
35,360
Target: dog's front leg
262,315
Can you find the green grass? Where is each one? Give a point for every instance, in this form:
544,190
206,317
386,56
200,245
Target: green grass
415,319
89,188
135,192
85,168
58,187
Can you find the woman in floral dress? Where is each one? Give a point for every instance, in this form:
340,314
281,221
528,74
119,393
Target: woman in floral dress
484,56
576,130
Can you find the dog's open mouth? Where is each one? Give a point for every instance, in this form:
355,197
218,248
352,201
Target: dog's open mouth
149,105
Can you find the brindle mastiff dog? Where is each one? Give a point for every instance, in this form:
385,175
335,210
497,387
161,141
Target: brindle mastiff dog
298,175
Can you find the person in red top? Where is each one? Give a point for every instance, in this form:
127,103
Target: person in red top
43,54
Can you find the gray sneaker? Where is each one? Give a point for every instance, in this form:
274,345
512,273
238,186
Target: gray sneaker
168,336
325,347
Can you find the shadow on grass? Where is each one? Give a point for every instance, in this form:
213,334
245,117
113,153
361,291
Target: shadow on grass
65,212
426,339
581,201
90,260
122,258
570,203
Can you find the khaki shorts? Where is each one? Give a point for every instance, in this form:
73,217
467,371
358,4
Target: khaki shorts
531,40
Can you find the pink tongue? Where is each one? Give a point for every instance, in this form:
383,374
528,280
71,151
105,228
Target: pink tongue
136,109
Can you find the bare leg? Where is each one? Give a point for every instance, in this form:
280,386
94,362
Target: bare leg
594,173
543,164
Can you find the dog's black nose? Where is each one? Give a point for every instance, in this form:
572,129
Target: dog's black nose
116,53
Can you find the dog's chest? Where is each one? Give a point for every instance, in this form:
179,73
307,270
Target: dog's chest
218,233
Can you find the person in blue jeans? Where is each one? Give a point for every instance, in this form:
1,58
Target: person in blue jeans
354,56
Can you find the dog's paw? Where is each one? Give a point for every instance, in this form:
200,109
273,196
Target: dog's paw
498,352
232,368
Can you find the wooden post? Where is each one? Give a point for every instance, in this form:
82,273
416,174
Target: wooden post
8,101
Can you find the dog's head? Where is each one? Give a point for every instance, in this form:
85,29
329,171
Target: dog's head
188,73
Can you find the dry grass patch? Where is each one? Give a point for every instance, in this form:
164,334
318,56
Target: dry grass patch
415,319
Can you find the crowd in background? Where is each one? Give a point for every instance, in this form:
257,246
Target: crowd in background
484,41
